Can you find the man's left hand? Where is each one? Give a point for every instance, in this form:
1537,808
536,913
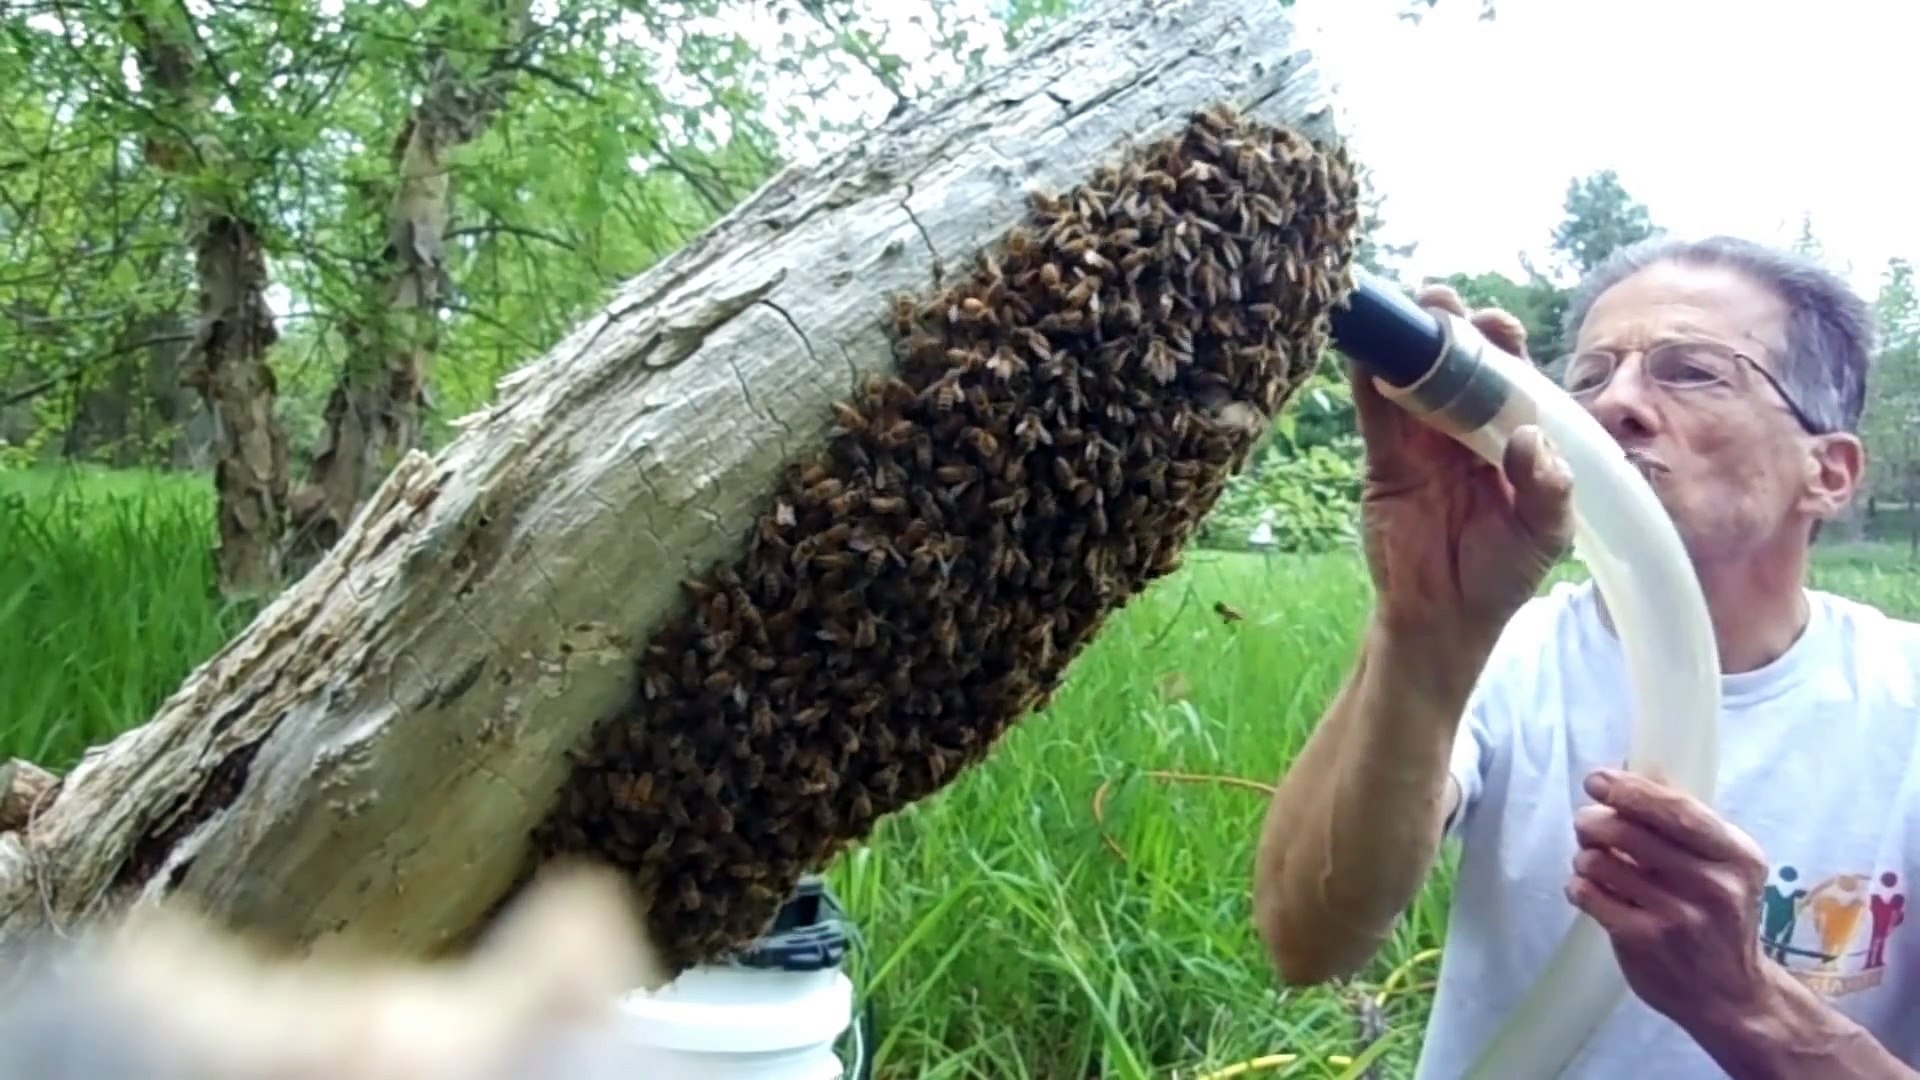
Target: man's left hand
1678,890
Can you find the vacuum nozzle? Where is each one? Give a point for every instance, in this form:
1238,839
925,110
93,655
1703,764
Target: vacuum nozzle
1386,332
1433,360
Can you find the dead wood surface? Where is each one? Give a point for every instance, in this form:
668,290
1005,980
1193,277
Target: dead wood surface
361,766
24,789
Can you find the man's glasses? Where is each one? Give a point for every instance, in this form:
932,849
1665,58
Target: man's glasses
1675,365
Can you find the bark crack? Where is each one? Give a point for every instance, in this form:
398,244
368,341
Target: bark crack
1138,78
853,369
218,790
746,391
653,524
925,238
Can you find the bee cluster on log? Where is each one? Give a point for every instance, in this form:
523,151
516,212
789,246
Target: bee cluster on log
1059,424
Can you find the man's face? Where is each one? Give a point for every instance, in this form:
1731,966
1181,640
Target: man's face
1666,361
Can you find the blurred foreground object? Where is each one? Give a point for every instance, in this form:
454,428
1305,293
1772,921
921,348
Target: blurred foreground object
164,995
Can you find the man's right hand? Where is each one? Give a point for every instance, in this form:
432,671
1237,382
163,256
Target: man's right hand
1452,544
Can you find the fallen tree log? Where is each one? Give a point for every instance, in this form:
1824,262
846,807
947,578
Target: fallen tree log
24,789
362,766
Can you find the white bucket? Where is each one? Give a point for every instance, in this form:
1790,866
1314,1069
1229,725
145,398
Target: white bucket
734,1023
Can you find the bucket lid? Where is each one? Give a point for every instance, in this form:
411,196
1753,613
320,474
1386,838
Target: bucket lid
808,932
783,993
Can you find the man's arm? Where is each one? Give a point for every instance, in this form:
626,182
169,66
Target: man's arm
1794,1033
1352,831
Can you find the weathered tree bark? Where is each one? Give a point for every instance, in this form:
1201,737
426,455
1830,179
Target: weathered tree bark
227,361
24,789
362,766
373,413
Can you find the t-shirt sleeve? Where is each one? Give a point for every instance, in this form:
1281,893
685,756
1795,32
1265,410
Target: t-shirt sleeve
1487,729
1473,753
1497,710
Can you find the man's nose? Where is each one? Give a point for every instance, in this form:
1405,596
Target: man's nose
1625,405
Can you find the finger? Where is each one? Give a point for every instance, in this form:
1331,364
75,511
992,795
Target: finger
1442,297
1627,882
1503,329
1673,814
1542,489
1617,917
1602,828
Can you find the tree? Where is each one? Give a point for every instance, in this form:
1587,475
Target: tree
1601,217
227,360
362,765
1539,304
1806,243
373,413
428,194
1891,421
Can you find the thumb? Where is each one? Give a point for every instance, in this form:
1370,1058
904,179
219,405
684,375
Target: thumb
1542,491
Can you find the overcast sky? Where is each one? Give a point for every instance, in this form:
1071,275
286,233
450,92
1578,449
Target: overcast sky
1720,115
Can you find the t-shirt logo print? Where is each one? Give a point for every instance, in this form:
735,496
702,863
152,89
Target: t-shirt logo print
1832,934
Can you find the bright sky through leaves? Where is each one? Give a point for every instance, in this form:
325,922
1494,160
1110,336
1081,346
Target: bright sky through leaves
1731,115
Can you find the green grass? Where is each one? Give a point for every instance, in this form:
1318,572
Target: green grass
106,602
1004,937
1002,924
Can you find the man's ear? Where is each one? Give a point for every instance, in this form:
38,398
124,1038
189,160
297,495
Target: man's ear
1835,467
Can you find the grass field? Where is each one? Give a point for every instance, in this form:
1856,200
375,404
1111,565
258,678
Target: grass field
1008,933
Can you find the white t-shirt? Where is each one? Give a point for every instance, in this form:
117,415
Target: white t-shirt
1820,763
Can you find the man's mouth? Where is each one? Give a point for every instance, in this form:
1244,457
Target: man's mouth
1648,465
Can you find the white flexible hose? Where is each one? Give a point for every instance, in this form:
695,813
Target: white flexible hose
1626,538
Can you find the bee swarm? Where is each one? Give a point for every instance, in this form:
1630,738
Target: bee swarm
1060,423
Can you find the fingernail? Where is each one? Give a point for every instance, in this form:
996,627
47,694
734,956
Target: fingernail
1599,783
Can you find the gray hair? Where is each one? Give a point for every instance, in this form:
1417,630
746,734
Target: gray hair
1829,327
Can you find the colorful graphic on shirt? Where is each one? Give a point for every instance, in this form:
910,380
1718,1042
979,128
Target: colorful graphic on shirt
1780,912
1832,934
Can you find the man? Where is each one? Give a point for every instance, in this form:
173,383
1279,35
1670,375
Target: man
1762,938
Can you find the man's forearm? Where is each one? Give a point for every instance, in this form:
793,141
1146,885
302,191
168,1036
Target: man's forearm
1795,1033
1352,831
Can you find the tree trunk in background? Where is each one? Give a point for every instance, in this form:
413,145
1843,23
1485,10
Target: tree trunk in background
227,364
373,413
132,408
362,766
227,359
103,411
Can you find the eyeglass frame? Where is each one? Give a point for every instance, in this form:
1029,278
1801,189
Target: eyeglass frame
1617,356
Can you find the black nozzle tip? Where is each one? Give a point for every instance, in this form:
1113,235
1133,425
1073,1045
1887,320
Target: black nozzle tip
1383,330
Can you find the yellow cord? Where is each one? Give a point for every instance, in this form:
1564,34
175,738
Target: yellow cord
1278,1061
1394,976
1271,1061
